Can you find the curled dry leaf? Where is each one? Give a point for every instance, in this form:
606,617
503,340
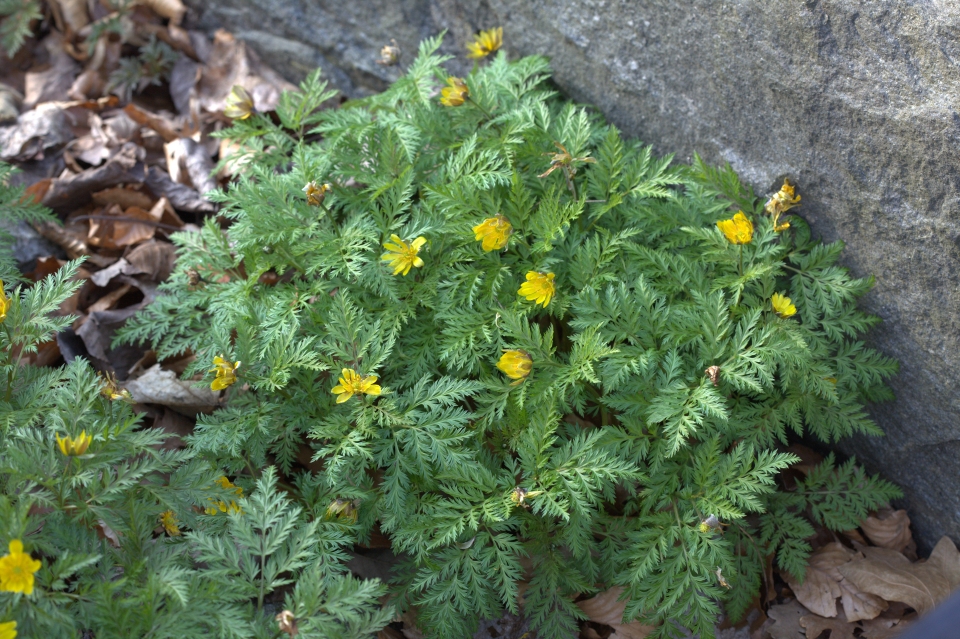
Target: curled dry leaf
189,163
888,529
883,628
181,196
889,575
52,83
67,194
607,608
821,584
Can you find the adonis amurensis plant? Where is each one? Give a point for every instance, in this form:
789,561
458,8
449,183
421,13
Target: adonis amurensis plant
468,316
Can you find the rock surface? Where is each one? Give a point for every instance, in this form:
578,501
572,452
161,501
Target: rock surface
856,102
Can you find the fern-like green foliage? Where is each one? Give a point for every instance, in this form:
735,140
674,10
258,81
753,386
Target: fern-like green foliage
16,17
609,460
127,532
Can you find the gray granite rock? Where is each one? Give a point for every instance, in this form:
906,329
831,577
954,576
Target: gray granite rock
857,102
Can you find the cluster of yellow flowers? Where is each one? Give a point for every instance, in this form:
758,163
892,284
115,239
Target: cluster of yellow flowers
226,373
739,231
17,569
222,506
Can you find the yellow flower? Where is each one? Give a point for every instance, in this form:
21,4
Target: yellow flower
16,569
401,255
538,288
515,364
455,94
352,384
72,447
494,231
169,521
239,104
485,43
8,630
343,509
4,303
783,306
739,230
226,373
222,506
316,193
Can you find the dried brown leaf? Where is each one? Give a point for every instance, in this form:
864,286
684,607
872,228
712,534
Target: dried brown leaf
189,163
117,228
888,529
606,608
109,301
36,131
51,83
786,621
158,386
859,605
182,197
946,559
67,194
74,13
124,196
889,575
10,102
839,627
882,628
821,585
173,10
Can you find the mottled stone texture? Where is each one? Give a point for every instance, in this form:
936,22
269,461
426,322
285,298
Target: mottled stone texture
857,102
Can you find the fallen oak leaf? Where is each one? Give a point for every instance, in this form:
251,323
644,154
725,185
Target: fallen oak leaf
786,621
821,584
839,627
888,574
946,559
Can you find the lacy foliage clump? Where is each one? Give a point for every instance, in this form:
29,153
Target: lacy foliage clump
539,360
110,534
